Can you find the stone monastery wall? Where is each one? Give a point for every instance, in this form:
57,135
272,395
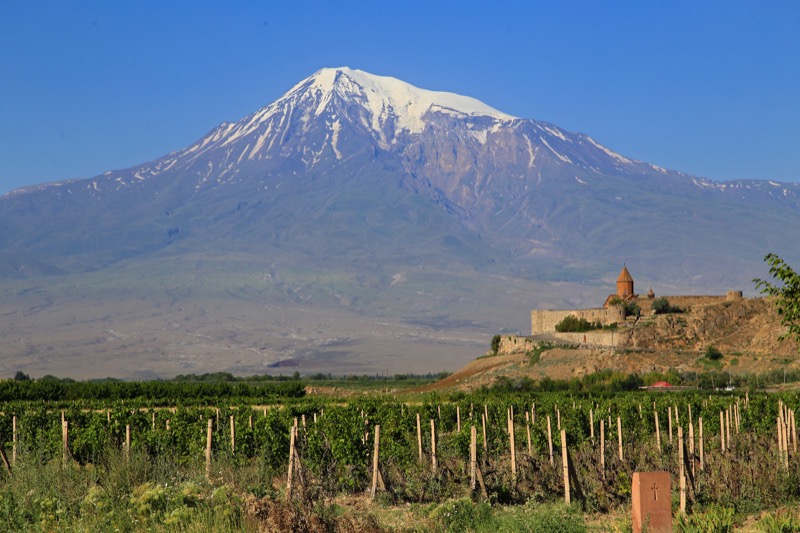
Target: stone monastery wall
544,322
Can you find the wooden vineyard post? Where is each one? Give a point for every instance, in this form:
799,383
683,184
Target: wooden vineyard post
419,439
433,446
14,442
669,417
530,449
153,421
486,413
485,443
658,432
700,428
550,440
127,441
167,425
603,447
565,462
233,435
376,475
591,424
722,431
786,444
458,418
513,446
619,437
290,475
691,446
558,417
64,438
682,471
108,415
473,457
208,448
794,431
728,427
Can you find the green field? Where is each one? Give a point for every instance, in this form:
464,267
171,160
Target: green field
136,459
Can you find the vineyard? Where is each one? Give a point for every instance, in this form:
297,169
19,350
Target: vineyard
284,464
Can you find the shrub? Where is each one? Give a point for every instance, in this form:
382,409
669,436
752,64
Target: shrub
713,354
632,309
662,306
571,323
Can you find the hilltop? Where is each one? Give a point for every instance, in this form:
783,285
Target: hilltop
745,330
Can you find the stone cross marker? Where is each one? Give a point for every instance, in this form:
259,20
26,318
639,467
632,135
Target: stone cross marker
652,502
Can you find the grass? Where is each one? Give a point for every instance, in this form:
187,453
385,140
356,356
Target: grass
710,363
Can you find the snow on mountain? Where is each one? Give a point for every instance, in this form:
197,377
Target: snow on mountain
389,98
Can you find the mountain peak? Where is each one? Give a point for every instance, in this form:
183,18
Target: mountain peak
385,97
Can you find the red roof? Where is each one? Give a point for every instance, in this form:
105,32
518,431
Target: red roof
625,276
661,384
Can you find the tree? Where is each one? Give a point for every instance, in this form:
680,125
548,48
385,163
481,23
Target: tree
571,323
495,344
786,295
21,376
712,353
661,306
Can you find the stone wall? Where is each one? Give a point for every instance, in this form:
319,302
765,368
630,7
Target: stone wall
604,339
544,322
514,344
689,302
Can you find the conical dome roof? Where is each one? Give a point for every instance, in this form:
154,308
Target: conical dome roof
625,275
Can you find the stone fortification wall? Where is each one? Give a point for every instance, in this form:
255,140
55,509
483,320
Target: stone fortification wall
601,339
604,339
514,344
544,322
688,302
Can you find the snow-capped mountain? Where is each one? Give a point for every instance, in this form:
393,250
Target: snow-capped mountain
515,190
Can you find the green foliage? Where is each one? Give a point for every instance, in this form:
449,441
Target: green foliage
571,323
155,392
712,353
662,306
786,295
778,524
632,309
713,520
555,518
495,344
462,515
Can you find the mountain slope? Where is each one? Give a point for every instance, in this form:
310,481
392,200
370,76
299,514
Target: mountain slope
362,194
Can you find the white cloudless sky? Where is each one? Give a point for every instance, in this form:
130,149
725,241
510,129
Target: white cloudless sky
706,88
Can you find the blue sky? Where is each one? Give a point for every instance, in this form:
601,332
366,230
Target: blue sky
707,88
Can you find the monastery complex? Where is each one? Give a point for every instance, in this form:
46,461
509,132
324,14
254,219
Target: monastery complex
543,322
